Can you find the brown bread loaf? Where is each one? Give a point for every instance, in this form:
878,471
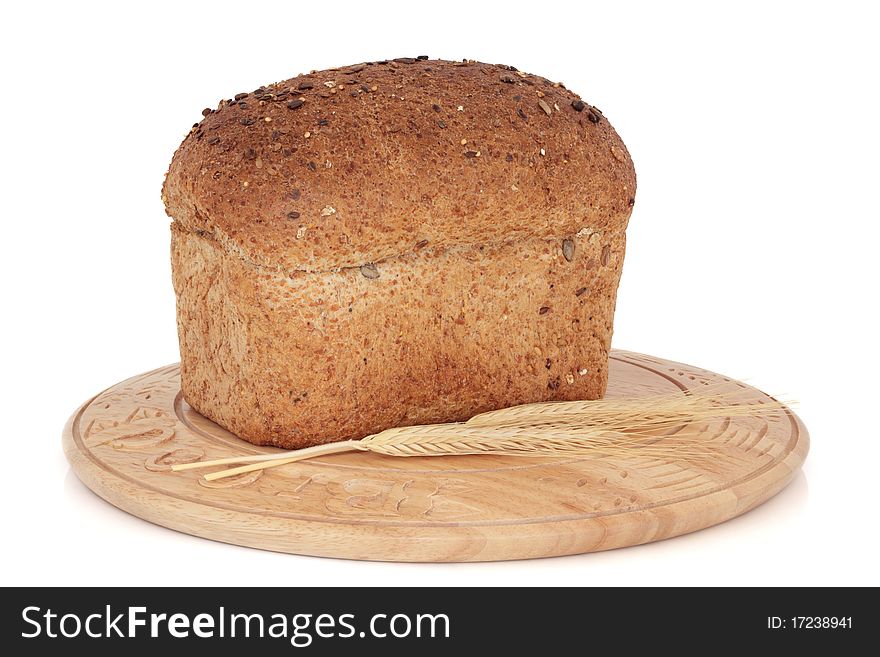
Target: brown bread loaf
392,243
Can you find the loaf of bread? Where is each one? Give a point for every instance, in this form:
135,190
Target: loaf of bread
393,243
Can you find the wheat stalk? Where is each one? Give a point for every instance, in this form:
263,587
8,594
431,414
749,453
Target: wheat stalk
659,425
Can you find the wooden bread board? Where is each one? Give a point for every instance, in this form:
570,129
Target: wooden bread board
122,443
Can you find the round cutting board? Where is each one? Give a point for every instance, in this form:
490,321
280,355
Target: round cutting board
122,444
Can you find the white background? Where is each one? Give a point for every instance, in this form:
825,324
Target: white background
753,248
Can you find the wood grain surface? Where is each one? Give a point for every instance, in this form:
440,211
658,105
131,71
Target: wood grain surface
122,443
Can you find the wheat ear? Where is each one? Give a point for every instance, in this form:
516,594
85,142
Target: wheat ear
660,425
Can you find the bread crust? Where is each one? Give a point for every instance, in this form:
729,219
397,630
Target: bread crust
400,243
365,170
438,336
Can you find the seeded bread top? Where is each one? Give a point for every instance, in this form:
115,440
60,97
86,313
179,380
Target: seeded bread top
351,166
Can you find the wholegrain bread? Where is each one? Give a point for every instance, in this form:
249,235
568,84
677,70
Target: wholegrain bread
394,243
